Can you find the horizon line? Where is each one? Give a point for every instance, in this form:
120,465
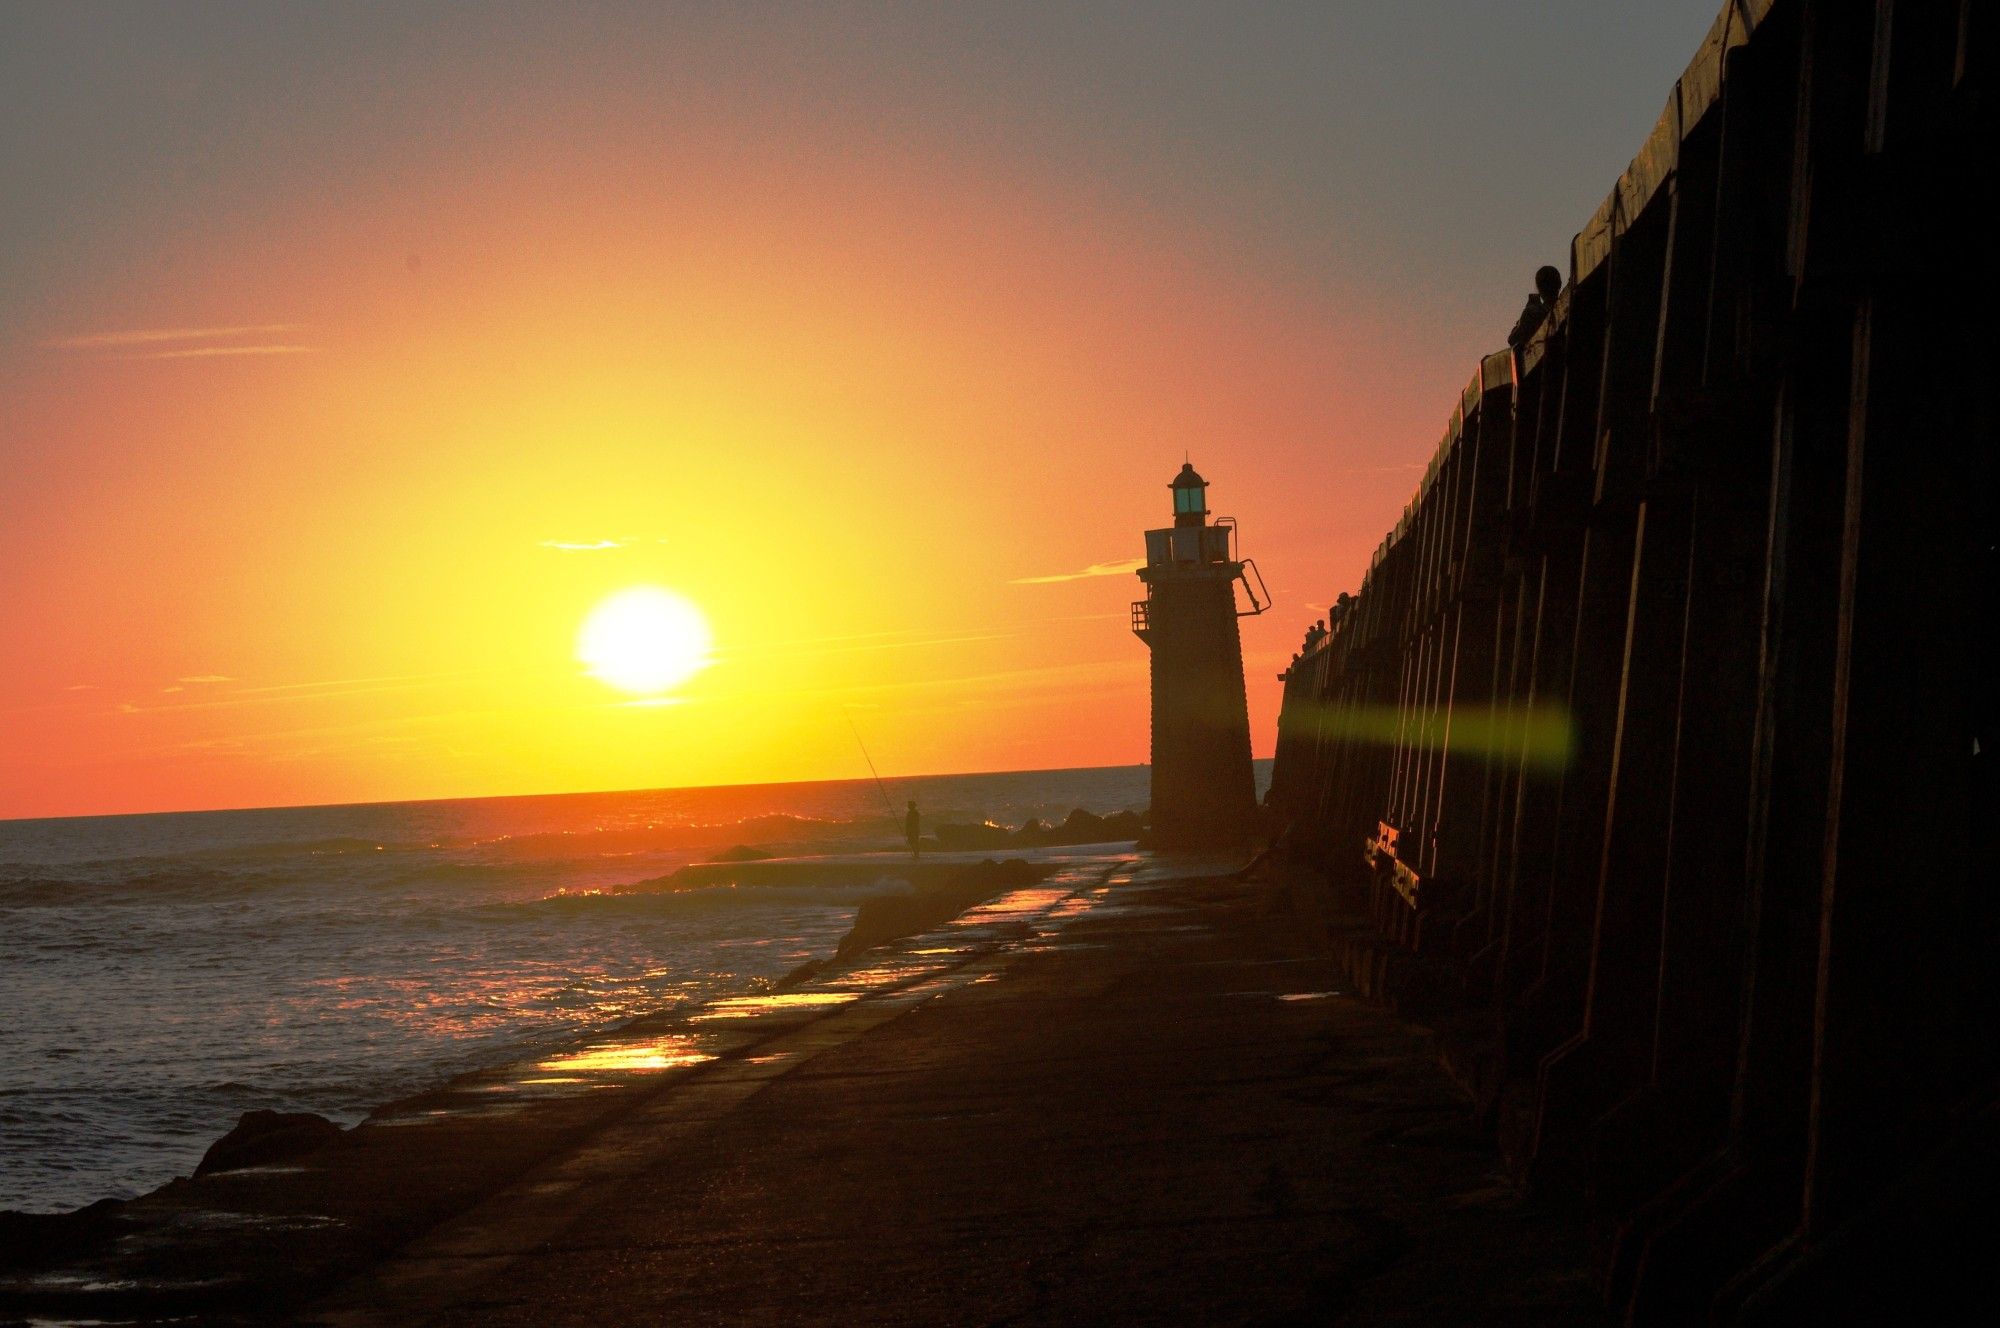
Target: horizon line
569,793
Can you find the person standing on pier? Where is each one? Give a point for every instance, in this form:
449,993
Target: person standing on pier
912,823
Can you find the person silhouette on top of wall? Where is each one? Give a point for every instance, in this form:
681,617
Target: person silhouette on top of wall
1548,285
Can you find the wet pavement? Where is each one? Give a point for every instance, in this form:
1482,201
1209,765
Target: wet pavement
249,1245
1150,1108
1129,1093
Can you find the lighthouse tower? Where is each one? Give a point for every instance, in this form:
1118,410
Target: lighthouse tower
1204,794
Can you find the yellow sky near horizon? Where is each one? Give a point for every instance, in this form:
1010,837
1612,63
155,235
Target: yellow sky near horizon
337,546
350,356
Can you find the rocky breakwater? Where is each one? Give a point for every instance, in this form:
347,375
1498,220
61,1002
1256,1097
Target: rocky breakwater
892,916
1080,827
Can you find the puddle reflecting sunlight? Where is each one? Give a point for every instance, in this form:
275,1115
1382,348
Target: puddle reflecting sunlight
667,1053
748,1007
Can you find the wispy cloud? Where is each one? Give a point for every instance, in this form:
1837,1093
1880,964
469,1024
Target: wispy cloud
150,336
195,680
185,343
987,688
283,693
582,546
859,643
1119,568
209,352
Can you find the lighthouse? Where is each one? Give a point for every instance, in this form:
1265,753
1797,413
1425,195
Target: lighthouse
1204,794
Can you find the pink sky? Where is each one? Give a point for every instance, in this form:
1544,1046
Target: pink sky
352,357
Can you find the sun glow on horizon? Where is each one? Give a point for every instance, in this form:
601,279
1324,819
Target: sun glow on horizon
645,641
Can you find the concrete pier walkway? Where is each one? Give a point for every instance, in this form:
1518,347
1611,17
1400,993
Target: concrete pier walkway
1156,1106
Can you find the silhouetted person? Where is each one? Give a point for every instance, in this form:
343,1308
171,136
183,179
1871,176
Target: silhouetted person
911,824
1548,285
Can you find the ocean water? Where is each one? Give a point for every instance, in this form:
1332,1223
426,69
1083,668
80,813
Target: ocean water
160,975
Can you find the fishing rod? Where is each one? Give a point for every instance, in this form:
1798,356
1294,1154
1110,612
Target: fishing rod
887,806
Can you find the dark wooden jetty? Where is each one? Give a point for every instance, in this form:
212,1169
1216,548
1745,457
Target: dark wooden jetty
1660,733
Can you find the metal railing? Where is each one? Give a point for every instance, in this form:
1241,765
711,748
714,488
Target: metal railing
1228,523
1260,598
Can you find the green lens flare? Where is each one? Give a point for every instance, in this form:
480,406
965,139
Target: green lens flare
1541,735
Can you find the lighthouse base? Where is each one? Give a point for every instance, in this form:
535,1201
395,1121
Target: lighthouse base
1193,839
1202,806
1204,794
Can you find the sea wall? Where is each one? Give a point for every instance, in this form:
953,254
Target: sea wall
1658,736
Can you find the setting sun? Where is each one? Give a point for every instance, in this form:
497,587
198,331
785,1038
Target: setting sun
645,640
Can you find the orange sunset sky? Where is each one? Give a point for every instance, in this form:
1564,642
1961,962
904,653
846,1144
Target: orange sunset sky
349,355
